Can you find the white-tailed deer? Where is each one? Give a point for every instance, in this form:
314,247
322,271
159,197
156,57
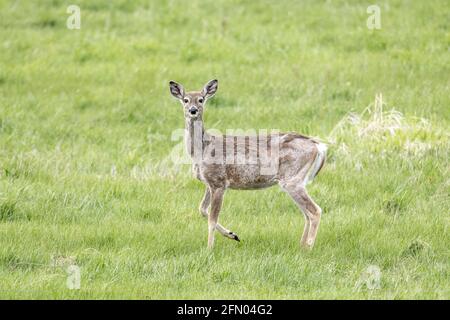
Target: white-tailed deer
235,162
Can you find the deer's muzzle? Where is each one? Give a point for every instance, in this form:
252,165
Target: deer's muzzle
193,111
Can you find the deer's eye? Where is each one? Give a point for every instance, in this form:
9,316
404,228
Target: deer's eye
200,100
186,100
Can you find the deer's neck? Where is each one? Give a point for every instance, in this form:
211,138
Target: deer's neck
194,137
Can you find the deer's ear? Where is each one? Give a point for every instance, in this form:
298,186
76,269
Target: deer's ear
210,88
176,90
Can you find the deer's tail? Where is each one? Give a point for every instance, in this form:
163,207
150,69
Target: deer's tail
319,161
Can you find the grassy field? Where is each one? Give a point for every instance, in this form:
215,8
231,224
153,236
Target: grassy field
86,121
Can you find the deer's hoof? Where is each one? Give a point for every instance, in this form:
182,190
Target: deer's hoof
234,236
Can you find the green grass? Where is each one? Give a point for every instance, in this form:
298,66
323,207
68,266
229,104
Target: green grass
85,127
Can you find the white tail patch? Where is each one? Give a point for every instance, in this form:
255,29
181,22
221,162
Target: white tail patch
318,162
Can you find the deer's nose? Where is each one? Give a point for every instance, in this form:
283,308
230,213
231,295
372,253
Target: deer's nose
193,110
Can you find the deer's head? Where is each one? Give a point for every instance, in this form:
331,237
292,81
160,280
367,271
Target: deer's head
193,102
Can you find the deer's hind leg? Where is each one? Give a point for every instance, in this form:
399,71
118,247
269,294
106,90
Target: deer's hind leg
296,189
204,205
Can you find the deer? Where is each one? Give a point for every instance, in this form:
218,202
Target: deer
297,159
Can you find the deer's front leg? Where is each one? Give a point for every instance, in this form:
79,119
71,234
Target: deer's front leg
216,205
204,205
